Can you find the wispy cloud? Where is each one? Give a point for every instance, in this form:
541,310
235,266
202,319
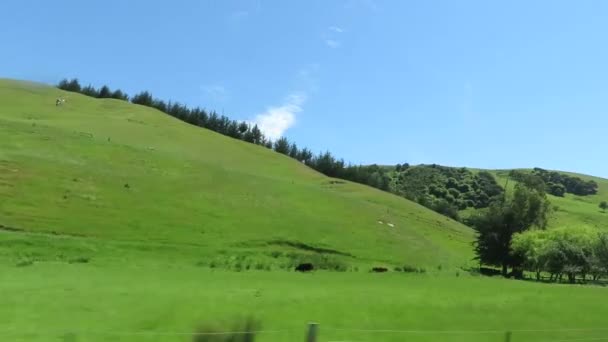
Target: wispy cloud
331,36
275,121
215,92
332,43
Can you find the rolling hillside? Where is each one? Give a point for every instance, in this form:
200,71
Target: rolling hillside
101,177
572,210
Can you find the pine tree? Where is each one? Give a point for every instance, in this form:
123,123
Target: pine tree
258,137
104,92
293,151
90,91
281,145
144,98
119,95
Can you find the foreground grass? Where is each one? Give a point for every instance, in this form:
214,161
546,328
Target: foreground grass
89,302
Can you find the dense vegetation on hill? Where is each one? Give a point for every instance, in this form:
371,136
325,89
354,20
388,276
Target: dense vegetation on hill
558,184
445,189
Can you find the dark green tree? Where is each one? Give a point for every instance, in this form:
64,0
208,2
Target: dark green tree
305,155
281,145
603,205
257,135
527,208
293,151
104,92
243,127
69,85
144,98
556,189
119,95
90,91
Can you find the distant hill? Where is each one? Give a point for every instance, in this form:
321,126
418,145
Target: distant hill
93,173
459,192
573,210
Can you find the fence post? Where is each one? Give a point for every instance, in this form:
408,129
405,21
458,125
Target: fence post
508,336
313,329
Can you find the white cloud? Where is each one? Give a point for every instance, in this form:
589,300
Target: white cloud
215,92
336,29
332,43
276,120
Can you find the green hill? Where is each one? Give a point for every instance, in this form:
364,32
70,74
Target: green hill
106,178
459,192
572,210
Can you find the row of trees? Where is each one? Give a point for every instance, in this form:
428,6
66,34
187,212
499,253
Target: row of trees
325,162
102,93
567,251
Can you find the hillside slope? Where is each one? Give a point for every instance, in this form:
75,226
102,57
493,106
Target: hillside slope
572,210
107,171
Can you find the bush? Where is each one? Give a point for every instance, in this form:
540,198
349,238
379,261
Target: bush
24,262
276,254
409,269
79,260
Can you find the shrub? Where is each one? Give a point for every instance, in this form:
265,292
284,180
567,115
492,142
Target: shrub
24,262
409,269
79,260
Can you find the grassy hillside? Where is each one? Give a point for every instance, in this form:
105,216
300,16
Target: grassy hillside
115,219
99,173
572,210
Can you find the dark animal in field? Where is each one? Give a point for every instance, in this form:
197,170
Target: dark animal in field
379,269
305,267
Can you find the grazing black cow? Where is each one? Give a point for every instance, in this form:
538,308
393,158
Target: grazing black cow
379,269
305,267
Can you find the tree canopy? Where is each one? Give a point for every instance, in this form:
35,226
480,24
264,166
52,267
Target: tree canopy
526,208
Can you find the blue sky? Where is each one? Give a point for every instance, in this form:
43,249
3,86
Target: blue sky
491,84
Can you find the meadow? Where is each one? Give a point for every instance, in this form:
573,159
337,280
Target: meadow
131,302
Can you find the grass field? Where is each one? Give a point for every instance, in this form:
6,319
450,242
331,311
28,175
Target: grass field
119,223
88,302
